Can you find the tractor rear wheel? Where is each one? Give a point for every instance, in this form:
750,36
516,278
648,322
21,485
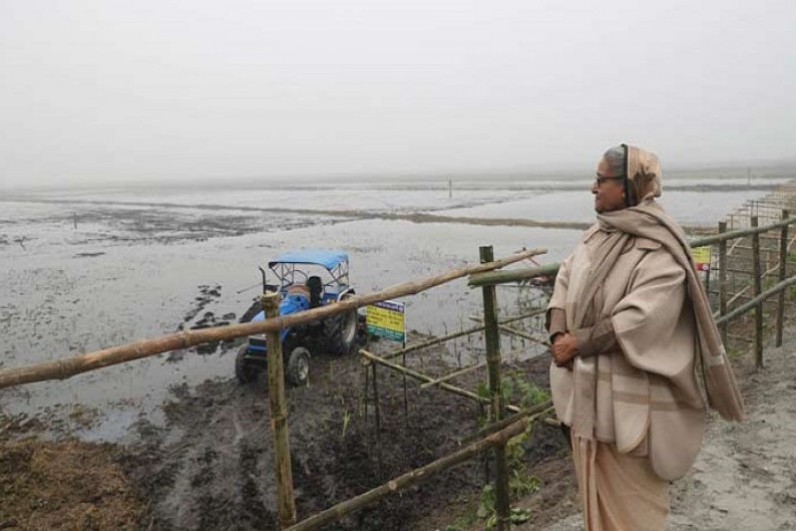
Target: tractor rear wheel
245,371
340,332
298,366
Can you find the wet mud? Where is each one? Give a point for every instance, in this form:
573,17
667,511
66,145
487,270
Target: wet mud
212,465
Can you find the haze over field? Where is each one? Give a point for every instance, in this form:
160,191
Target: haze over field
111,92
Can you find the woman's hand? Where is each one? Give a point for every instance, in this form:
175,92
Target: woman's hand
565,348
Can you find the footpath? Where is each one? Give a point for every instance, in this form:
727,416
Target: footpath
745,475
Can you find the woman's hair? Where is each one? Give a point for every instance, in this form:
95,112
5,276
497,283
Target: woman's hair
615,157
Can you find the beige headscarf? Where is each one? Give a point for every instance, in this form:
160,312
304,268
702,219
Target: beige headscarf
643,171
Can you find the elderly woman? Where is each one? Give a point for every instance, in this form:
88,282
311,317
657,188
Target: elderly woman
631,327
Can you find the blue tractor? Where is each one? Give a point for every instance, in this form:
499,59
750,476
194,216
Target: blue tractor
306,280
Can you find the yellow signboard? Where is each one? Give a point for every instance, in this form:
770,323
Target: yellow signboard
701,257
387,319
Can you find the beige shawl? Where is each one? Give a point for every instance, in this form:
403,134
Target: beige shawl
649,221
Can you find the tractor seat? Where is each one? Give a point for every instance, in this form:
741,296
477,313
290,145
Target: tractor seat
315,286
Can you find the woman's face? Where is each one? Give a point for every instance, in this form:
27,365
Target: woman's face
608,190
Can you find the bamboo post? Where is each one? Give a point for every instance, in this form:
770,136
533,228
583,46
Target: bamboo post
367,389
492,339
378,418
376,399
278,404
758,290
406,393
783,273
723,280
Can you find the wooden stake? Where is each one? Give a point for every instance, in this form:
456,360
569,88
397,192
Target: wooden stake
378,419
278,405
723,280
67,367
783,273
758,289
492,339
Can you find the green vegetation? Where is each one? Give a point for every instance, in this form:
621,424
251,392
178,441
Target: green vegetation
516,389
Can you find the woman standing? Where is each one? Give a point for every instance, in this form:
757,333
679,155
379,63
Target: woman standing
631,326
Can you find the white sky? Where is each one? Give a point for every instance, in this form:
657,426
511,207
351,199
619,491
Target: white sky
112,91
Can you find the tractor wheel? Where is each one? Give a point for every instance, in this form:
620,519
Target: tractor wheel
298,366
245,371
340,332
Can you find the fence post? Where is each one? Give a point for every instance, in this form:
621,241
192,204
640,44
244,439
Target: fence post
492,339
783,273
723,280
758,289
278,404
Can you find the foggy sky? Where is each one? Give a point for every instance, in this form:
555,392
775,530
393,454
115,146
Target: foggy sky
113,91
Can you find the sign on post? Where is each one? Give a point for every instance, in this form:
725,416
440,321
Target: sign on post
701,257
387,319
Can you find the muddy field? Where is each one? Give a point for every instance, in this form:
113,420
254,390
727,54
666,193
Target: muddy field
174,442
210,465
192,445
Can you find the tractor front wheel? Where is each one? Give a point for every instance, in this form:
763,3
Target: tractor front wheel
298,366
245,371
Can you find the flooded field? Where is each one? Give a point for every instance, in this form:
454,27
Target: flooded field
86,270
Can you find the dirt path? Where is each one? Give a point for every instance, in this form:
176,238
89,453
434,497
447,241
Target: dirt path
745,475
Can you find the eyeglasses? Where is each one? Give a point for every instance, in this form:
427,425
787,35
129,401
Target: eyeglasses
603,178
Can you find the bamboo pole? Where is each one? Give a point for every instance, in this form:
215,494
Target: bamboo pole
452,375
514,332
504,277
67,367
539,409
783,273
723,279
492,339
430,343
758,288
509,320
425,378
414,477
376,399
742,294
740,310
278,408
711,240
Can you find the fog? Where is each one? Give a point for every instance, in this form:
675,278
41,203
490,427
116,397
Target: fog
113,91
